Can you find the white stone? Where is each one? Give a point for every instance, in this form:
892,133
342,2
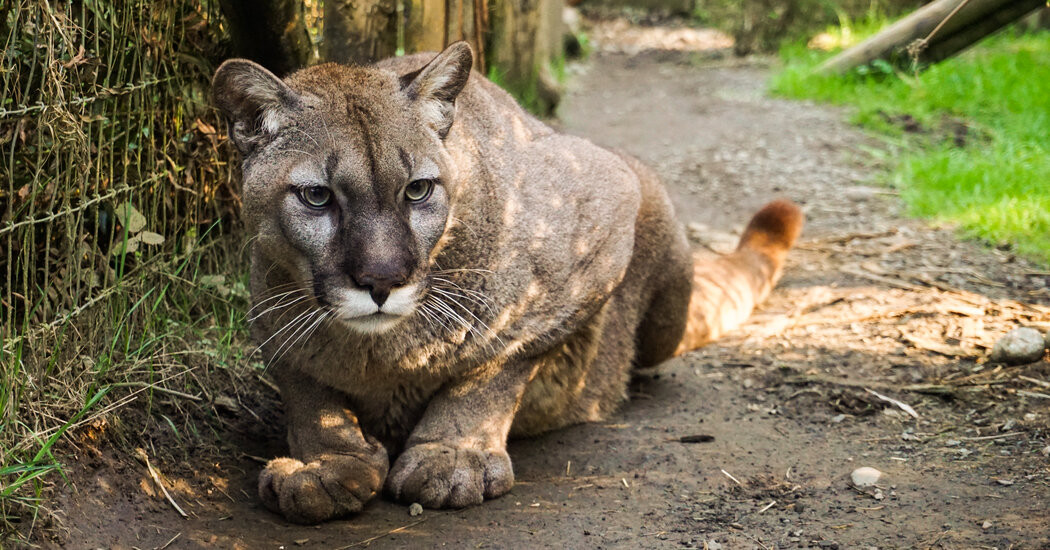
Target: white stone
865,477
415,509
1019,346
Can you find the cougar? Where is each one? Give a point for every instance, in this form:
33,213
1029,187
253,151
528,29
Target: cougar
433,270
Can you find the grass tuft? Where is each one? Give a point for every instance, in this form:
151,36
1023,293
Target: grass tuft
996,185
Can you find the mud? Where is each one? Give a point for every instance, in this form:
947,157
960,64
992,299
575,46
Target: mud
748,443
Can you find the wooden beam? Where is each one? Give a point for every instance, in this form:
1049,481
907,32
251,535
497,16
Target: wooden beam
949,45
946,17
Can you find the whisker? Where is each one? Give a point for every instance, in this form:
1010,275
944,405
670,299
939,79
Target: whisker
275,307
277,297
293,336
283,329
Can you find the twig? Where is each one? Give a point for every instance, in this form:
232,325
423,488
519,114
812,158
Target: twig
157,388
1035,381
167,495
990,437
370,540
902,405
758,542
167,544
880,279
1027,393
730,476
767,507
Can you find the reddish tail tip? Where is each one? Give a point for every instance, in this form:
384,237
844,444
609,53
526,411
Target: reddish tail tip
775,227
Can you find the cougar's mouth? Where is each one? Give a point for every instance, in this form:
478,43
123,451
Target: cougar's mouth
357,308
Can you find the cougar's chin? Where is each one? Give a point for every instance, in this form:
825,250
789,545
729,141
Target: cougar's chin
357,310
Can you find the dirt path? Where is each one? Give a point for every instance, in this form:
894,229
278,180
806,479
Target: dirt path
869,301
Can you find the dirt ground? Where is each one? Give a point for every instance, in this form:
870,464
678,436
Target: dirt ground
745,444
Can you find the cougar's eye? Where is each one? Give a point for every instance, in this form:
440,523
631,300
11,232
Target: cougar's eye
316,196
419,190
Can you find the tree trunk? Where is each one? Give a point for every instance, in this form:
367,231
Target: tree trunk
960,17
359,31
270,32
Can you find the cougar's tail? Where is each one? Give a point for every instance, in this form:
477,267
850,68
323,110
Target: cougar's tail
725,290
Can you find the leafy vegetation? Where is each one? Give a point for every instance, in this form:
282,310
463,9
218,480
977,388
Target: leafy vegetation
968,136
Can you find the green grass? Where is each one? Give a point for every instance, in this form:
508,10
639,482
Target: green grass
170,335
997,186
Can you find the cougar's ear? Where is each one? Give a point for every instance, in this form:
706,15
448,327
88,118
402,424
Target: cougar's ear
254,101
434,87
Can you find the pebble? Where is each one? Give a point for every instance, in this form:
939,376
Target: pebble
1046,450
865,477
1019,346
986,525
415,509
712,545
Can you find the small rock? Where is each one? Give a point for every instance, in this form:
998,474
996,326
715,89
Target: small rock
838,418
415,509
1019,346
865,477
1005,482
712,545
986,525
953,443
1046,451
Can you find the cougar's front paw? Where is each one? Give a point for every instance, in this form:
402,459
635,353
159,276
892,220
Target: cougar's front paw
441,476
334,485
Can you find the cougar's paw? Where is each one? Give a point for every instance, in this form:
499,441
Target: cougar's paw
440,476
332,486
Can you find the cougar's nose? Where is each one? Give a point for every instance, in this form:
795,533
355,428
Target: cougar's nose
380,284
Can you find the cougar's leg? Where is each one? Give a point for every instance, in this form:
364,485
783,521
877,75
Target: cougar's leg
456,455
334,468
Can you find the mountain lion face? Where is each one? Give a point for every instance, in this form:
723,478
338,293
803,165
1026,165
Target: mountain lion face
348,187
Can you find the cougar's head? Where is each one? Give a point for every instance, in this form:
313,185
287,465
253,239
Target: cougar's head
346,176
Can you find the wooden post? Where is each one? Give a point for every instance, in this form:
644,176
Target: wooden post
359,31
526,35
426,27
892,42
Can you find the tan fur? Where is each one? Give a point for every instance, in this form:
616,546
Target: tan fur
547,268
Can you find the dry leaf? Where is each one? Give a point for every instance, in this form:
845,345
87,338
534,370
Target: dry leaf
149,237
130,218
